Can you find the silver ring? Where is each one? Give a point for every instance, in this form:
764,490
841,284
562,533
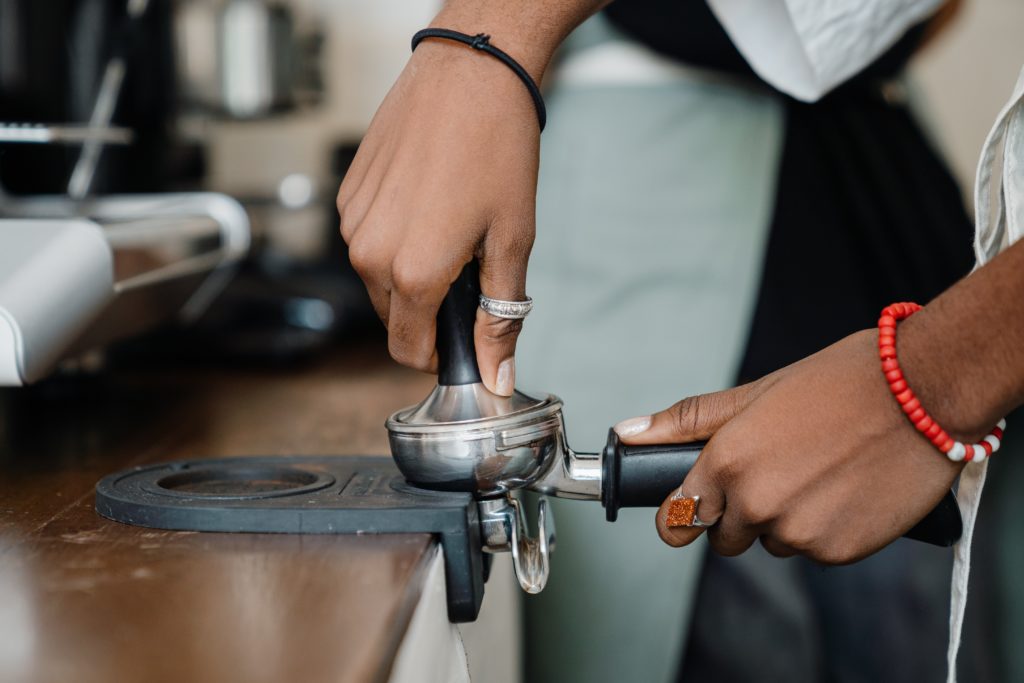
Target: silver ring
682,512
509,310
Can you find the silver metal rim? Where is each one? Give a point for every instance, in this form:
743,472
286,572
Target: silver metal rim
550,406
509,310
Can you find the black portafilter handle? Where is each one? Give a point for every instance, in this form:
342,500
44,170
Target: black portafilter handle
643,476
456,350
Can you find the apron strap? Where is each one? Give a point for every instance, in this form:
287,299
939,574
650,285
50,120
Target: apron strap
996,228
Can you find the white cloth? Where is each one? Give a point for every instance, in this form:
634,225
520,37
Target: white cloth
999,222
807,47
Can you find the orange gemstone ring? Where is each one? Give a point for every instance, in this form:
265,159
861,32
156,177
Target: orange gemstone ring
682,511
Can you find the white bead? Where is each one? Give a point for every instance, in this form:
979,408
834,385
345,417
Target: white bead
979,453
957,452
993,442
1002,424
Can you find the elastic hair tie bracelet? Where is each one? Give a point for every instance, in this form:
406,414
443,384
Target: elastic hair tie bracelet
922,421
482,42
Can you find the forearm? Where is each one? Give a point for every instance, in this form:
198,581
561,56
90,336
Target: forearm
963,354
529,30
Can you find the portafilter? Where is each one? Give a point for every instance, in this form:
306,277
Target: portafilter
462,437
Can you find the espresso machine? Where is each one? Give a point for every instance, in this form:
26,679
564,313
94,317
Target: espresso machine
106,231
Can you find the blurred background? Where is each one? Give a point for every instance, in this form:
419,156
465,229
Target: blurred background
184,155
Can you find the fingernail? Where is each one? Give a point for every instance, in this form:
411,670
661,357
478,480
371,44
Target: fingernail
505,383
633,426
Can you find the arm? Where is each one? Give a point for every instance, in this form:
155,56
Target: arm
817,458
447,172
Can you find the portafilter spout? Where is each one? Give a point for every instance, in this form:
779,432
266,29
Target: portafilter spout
462,437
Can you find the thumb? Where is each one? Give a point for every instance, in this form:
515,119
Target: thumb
503,277
693,419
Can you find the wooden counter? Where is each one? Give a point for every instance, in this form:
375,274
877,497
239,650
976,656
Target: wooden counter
86,599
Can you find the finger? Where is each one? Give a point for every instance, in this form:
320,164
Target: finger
359,190
709,508
733,534
370,258
380,299
417,288
692,419
776,547
502,276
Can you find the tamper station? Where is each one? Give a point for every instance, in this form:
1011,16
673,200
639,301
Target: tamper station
461,455
464,438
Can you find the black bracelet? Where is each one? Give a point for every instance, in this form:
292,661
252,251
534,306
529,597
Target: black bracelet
482,42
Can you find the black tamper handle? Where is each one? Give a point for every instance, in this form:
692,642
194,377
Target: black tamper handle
643,476
456,351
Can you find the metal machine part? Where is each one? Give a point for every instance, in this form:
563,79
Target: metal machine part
77,275
245,58
56,277
66,134
102,113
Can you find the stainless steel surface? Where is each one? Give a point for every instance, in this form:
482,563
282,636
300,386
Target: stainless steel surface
503,526
172,253
245,58
155,238
56,277
102,114
572,475
106,101
68,134
465,403
466,438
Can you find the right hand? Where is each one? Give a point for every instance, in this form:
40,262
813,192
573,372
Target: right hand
446,173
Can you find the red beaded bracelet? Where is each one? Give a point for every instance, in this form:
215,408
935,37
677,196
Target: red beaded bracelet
922,421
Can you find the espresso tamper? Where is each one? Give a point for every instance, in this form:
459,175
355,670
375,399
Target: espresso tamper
464,438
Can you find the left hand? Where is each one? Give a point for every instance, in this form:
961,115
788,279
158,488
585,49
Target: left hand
816,459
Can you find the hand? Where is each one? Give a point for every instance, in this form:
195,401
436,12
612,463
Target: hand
816,459
447,173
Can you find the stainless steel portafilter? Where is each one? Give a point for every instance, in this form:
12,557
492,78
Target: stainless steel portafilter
462,437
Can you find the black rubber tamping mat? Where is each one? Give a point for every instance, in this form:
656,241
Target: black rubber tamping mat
304,495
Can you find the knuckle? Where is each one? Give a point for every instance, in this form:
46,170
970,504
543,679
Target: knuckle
364,258
800,537
341,199
685,414
753,510
519,244
410,277
835,553
406,353
775,548
499,331
724,544
724,464
347,220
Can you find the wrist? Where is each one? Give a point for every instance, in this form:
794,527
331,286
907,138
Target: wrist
529,32
947,386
